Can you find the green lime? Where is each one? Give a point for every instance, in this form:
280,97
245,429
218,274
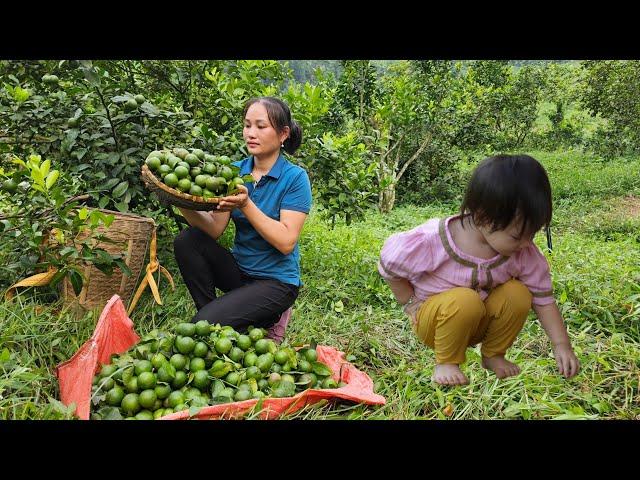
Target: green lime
250,359
195,171
209,168
264,362
153,163
147,399
274,378
233,378
201,379
223,345
173,161
305,366
254,372
186,329
262,346
162,391
281,357
307,380
114,396
195,190
158,413
107,370
226,172
200,350
216,387
224,160
236,354
158,360
203,328
163,170
178,361
181,172
175,398
191,393
181,152
276,367
226,392
201,180
288,378
130,404
130,104
180,380
139,99
263,383
131,386
143,366
198,153
106,383
256,334
242,395
197,364
184,185
244,342
171,180
146,380
185,345
329,383
191,159
311,355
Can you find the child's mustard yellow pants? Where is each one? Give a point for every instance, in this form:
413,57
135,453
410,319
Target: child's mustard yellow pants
451,321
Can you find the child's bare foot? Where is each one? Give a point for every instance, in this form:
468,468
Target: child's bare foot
502,367
449,374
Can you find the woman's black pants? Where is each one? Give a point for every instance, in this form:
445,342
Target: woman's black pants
205,266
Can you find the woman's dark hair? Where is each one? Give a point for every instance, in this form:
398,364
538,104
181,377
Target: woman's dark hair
280,117
504,187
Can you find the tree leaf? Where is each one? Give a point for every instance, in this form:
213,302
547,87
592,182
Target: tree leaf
92,76
52,178
76,281
321,369
120,189
44,168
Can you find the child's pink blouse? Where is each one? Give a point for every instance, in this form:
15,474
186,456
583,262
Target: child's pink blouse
427,257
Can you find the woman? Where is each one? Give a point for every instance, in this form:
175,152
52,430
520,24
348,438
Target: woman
261,275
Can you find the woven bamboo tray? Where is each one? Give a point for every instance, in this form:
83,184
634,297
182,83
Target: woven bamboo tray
176,197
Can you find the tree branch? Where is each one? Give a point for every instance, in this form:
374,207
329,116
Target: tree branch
106,108
424,144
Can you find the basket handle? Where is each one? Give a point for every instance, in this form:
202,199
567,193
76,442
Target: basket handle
148,279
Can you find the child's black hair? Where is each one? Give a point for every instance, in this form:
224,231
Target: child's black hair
504,187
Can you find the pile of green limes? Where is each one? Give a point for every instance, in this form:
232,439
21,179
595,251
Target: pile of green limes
199,365
196,172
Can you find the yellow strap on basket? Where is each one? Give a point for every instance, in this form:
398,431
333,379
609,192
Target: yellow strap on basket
148,278
37,280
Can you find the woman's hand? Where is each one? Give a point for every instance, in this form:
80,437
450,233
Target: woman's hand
239,200
568,363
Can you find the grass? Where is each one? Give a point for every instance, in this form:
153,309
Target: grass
345,304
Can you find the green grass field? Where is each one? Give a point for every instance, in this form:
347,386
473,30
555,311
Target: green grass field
345,304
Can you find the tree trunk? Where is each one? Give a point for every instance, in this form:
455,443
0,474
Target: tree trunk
387,198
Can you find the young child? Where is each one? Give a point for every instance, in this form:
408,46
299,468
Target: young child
472,278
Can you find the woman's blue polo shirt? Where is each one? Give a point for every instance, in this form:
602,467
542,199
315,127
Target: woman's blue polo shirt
285,187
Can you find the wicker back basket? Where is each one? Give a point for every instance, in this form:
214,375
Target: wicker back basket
131,235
